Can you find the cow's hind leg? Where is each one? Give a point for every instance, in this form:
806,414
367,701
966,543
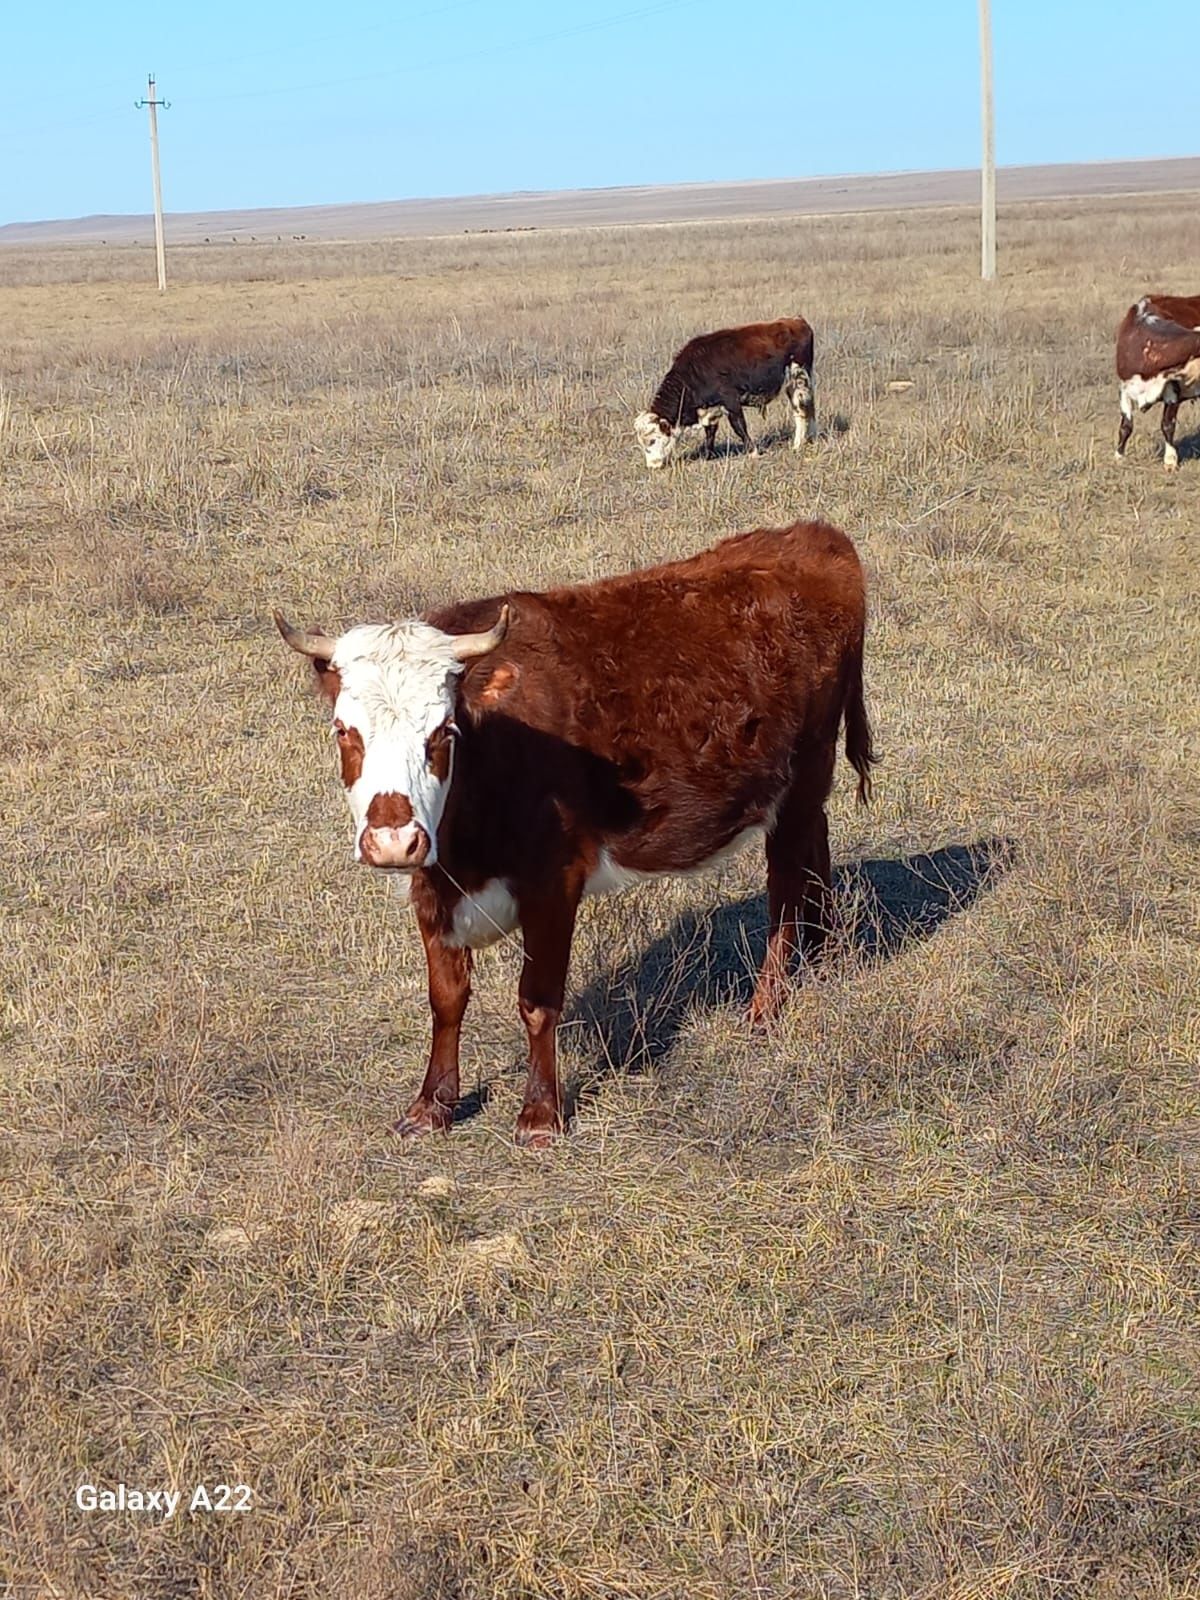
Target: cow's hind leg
548,927
1170,412
449,990
803,402
799,894
1126,428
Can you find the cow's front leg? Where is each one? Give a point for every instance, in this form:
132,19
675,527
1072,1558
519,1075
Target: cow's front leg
737,421
548,927
709,418
1126,427
449,990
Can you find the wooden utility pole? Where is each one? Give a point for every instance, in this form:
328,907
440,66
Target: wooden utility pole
153,103
987,198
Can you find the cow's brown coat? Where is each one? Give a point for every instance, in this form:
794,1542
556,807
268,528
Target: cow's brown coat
1159,337
644,722
732,368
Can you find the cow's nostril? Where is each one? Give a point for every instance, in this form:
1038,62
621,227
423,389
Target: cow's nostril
394,847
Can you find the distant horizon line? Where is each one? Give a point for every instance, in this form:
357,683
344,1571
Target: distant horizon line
816,182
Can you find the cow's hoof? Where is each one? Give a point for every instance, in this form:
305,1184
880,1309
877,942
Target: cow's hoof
424,1117
764,1010
537,1133
1171,464
1118,455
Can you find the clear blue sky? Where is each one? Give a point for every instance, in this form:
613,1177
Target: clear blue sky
299,103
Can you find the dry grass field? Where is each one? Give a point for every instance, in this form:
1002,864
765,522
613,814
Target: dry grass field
899,1301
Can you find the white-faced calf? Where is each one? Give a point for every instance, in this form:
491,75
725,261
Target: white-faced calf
717,374
506,757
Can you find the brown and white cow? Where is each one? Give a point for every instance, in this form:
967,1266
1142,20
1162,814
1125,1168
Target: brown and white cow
1158,359
507,757
721,372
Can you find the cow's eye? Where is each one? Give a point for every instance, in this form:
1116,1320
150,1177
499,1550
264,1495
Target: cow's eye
437,749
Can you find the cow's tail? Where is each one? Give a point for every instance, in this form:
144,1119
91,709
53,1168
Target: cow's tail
860,746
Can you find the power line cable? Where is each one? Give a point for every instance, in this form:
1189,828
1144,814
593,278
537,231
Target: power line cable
449,61
342,36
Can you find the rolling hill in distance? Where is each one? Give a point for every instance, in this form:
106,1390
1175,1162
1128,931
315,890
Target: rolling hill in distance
615,207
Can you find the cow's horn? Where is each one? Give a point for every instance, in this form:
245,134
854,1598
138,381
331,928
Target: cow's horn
311,643
467,646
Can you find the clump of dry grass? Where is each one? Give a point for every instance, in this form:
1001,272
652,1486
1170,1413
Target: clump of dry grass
899,1301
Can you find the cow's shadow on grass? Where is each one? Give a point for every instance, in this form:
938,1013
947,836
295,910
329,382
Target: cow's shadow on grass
627,1020
1188,446
773,436
473,1102
835,425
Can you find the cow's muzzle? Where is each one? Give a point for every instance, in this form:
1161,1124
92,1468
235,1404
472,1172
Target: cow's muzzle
405,848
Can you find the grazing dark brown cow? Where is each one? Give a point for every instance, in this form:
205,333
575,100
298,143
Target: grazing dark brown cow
1158,358
722,372
506,757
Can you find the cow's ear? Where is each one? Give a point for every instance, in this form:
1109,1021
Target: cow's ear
328,679
492,688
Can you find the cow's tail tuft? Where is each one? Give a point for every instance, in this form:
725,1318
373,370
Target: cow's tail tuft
860,746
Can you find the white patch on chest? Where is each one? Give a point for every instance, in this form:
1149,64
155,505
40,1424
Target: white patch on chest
484,916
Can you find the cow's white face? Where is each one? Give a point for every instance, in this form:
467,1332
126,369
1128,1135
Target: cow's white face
656,437
393,719
393,693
